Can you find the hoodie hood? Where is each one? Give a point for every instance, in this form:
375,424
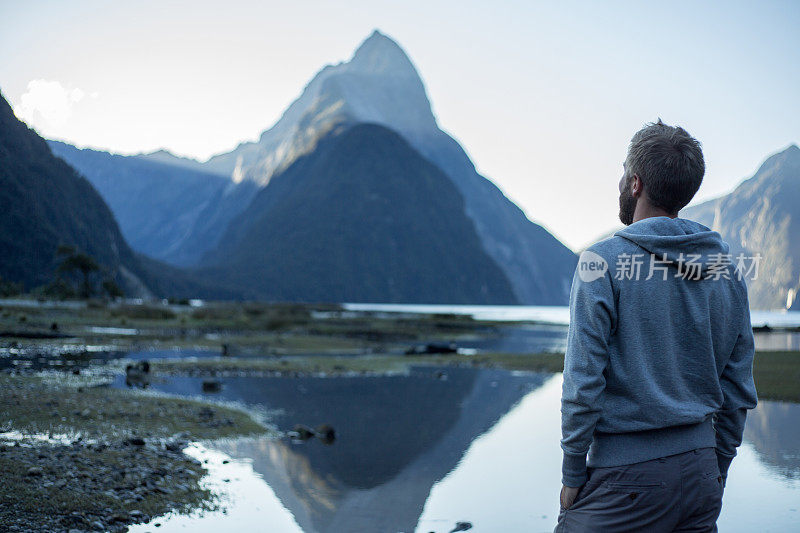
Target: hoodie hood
680,241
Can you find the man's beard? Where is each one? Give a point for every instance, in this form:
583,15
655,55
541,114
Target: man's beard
627,206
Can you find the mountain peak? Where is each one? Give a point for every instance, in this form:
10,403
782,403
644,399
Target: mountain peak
788,156
381,54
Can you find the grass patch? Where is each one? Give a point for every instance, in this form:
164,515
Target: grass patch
777,375
329,364
334,365
36,404
253,327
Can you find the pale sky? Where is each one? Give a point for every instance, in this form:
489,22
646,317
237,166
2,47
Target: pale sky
544,96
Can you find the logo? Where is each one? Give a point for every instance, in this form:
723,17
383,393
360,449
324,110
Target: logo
591,266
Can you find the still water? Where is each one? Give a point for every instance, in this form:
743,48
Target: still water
543,333
552,314
423,451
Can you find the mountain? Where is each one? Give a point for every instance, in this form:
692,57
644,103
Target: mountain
363,217
380,85
762,216
46,203
177,210
168,158
167,207
774,434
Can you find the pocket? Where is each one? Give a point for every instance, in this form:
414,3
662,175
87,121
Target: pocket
711,488
713,476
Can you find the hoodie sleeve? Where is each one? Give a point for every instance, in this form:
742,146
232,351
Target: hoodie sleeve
592,318
739,394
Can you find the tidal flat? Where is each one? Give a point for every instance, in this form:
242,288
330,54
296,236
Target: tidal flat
78,453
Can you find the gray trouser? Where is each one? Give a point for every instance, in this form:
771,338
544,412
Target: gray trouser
681,492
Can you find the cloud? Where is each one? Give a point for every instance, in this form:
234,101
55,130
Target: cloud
48,103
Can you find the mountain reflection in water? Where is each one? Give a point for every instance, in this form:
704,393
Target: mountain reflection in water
417,452
773,429
396,437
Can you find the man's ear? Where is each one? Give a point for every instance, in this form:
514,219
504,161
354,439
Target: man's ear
636,186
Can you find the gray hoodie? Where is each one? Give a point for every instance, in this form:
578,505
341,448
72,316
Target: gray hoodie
660,349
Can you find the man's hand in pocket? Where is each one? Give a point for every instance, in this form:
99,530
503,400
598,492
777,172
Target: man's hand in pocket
568,495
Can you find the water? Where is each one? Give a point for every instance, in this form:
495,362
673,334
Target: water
422,451
559,316
552,314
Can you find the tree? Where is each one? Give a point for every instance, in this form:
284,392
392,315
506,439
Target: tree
9,288
85,264
112,289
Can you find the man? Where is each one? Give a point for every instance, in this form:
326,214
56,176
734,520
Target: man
658,371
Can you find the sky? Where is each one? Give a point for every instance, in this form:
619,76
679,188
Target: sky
543,96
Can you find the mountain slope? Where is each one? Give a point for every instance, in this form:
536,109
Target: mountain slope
166,207
380,85
762,215
361,218
45,203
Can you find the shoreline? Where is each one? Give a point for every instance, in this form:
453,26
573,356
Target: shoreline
81,456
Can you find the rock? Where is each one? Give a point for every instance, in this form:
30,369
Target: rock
138,375
211,385
35,471
461,526
135,441
301,432
433,348
326,433
174,446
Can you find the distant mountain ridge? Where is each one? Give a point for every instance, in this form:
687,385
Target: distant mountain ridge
379,85
762,216
166,207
